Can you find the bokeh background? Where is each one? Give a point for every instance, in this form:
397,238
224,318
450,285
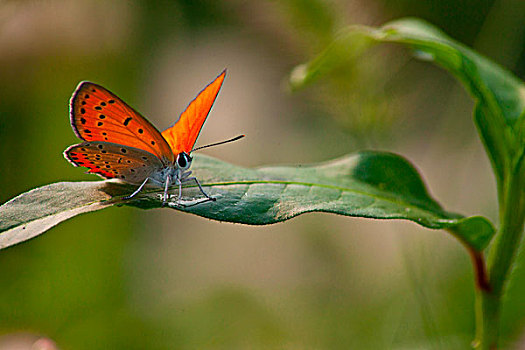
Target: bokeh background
129,279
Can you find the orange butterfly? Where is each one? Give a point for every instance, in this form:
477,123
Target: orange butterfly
120,143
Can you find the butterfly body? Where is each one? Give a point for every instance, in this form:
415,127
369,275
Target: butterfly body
120,143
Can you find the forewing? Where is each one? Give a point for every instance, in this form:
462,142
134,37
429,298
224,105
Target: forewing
99,115
110,161
182,136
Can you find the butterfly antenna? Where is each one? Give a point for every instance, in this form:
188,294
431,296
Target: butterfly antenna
219,143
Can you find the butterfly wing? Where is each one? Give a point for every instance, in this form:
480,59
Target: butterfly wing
110,160
182,136
99,115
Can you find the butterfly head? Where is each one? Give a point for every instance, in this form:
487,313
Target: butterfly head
183,161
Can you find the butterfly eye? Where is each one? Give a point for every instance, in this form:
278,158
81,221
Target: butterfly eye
183,161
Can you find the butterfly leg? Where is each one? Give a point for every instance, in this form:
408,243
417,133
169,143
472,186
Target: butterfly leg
180,190
179,198
166,185
137,190
193,178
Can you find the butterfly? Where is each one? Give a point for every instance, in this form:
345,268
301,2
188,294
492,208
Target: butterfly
119,143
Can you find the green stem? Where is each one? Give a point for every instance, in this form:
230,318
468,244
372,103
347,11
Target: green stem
501,258
507,242
487,320
487,311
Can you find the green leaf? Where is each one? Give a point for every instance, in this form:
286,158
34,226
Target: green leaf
368,184
499,95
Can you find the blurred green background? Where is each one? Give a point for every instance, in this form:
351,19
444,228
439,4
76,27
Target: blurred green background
130,279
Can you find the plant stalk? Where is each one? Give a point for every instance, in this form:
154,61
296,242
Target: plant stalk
487,320
505,248
500,260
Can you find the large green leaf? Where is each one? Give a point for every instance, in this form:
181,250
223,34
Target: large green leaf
369,184
499,95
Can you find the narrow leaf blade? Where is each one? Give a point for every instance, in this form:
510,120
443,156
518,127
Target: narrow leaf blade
368,184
